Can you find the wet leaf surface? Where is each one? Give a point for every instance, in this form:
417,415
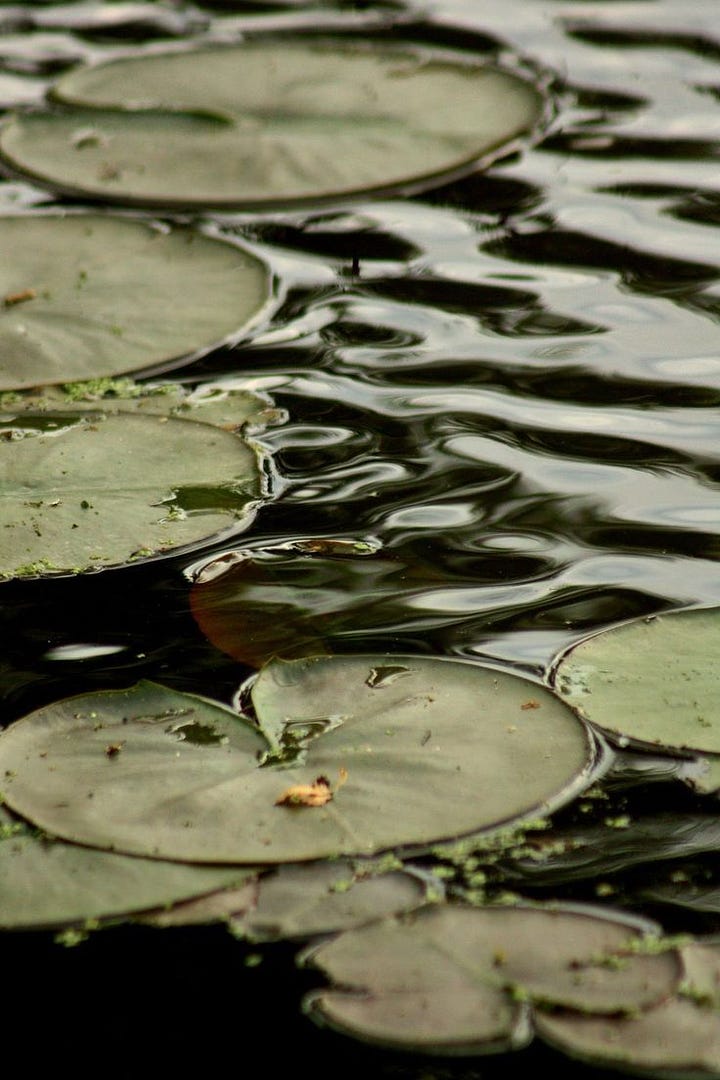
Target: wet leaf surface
85,490
451,977
678,1037
445,749
68,312
48,883
653,680
254,125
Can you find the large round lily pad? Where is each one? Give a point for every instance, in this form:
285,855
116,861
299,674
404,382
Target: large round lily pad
89,295
447,980
86,490
48,883
655,680
427,749
270,123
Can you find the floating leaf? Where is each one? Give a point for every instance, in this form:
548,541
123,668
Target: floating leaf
48,883
301,901
701,959
218,906
705,779
85,490
443,750
654,680
678,1037
68,311
269,123
227,405
448,979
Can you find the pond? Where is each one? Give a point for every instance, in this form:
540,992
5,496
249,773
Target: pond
488,429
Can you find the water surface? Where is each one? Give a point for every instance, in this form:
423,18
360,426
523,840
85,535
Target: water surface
510,384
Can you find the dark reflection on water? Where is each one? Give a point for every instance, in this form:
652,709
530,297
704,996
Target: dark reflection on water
510,383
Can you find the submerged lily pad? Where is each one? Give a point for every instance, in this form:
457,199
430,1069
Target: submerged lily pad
228,406
653,680
90,295
430,748
449,979
269,123
48,883
218,906
297,598
85,490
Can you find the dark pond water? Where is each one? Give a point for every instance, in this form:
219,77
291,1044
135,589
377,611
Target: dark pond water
516,395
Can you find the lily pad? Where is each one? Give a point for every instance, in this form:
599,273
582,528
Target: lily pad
270,122
705,779
90,295
430,749
47,883
86,490
677,1038
302,901
449,979
215,907
230,407
656,680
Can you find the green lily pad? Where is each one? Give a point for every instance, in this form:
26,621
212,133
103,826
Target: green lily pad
655,680
226,405
701,960
705,777
430,749
678,1038
449,979
302,901
83,490
89,295
269,123
48,883
218,906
